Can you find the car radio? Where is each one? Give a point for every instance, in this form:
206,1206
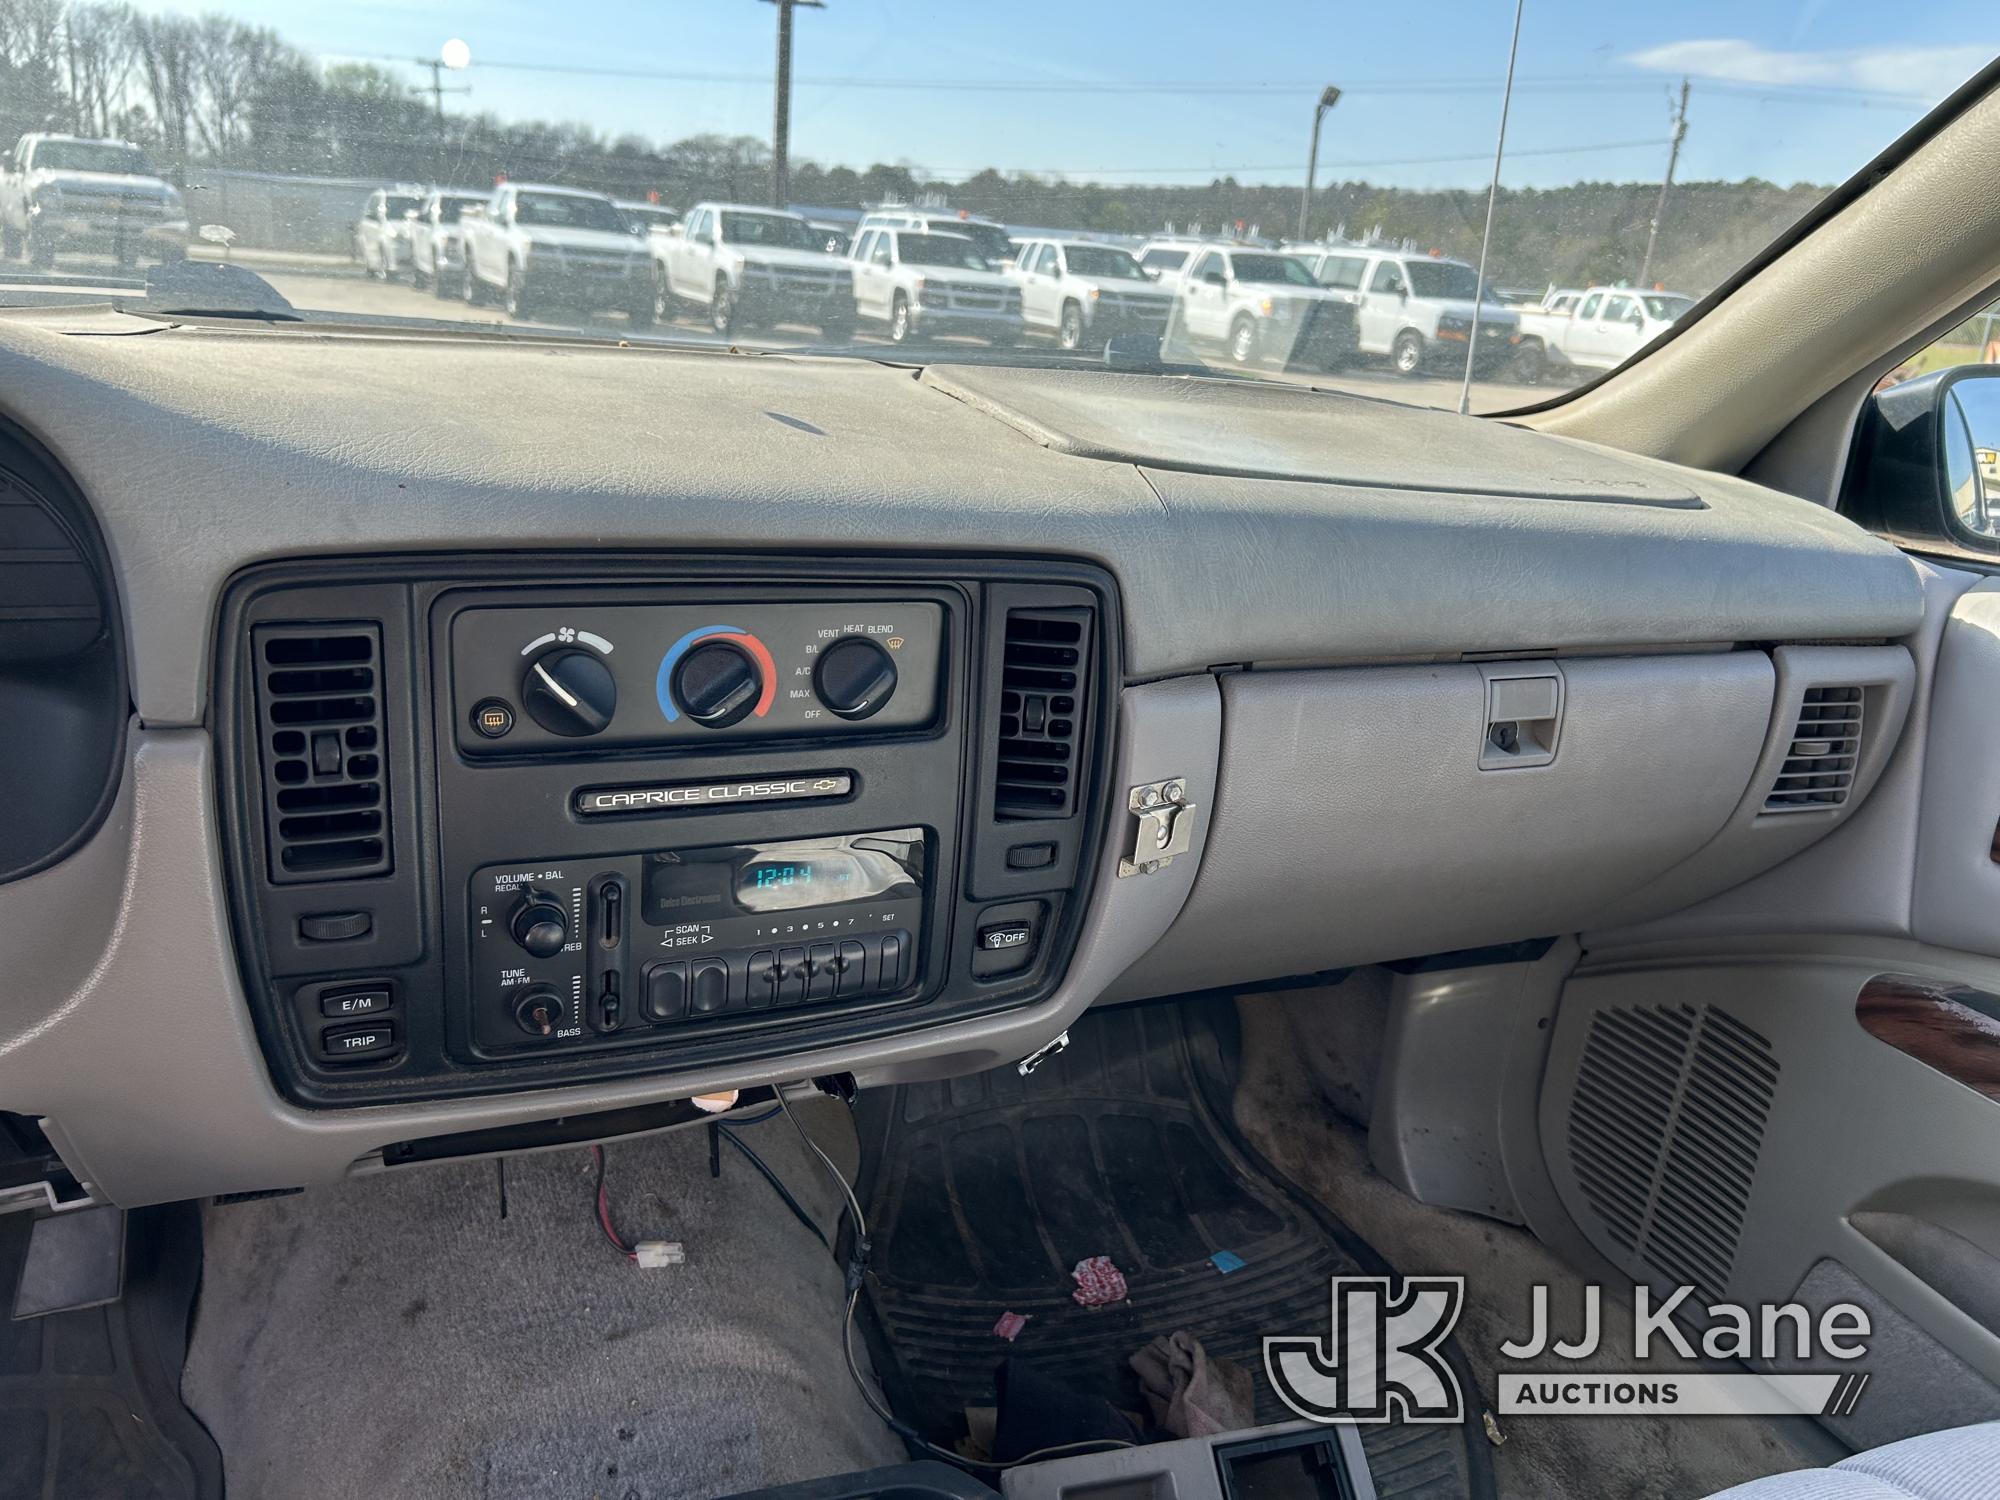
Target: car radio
571,952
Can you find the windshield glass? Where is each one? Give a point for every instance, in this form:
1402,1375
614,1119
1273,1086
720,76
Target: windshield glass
940,250
1282,269
770,229
1099,260
450,208
566,211
1440,278
396,206
90,156
1653,149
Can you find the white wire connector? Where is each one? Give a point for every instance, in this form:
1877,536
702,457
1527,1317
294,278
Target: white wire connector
652,1254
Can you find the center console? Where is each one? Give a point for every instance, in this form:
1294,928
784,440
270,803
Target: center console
506,823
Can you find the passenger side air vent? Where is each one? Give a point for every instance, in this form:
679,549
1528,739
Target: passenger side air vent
1819,771
1664,1131
1044,698
319,703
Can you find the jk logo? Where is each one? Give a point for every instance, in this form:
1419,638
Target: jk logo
1380,1360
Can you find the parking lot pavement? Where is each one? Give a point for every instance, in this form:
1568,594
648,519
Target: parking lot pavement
333,289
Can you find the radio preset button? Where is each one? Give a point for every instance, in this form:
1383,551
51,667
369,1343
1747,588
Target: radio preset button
855,677
822,963
792,984
666,992
889,976
853,966
765,976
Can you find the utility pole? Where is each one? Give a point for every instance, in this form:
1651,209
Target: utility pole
438,88
1660,203
1329,96
781,122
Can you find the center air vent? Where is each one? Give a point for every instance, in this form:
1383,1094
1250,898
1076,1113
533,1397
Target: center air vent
319,702
1819,771
1044,696
1664,1129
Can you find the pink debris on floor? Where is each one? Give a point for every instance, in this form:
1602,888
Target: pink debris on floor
1010,1325
1098,1282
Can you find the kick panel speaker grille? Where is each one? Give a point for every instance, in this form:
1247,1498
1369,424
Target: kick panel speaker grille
1665,1126
1819,771
1044,696
326,793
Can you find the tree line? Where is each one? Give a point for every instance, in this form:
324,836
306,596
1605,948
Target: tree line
210,91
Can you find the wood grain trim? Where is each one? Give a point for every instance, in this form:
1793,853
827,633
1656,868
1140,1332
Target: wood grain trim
1946,1026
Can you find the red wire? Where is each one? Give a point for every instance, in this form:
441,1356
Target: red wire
604,1207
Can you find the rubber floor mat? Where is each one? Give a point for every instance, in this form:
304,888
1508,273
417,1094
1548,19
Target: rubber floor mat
983,1192
90,1400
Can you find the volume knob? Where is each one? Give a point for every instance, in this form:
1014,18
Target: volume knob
540,924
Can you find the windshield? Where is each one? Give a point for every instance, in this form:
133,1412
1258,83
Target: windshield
770,229
1282,269
566,211
1656,148
396,206
91,156
940,250
1098,260
450,208
1440,278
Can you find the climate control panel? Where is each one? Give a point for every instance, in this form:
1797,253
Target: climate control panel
549,677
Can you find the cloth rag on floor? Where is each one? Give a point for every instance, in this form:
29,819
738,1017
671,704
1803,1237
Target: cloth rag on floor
1192,1395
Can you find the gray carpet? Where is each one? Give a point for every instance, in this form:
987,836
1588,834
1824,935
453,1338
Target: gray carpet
1289,1113
396,1336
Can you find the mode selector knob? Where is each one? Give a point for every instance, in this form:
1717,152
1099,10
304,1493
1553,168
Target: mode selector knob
717,683
540,924
855,677
570,691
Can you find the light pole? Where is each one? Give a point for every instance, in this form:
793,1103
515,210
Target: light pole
781,122
1329,97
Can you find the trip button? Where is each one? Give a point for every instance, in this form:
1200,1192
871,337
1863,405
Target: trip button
345,1003
666,992
347,1043
708,988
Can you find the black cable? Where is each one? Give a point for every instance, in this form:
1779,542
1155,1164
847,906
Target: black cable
777,1185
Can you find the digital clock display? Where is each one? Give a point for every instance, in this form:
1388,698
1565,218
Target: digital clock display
696,885
819,881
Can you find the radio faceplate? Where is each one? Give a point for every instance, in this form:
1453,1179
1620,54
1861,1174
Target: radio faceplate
599,952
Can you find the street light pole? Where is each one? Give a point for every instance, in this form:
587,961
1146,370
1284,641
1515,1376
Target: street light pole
781,121
1666,183
1329,96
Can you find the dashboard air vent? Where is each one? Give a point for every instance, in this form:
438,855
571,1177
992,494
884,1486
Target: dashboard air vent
319,702
1044,697
1665,1127
1819,771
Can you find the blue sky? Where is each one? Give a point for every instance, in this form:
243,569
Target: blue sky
1800,90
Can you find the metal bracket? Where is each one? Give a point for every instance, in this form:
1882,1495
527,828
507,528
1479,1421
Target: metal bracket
1165,827
1041,1055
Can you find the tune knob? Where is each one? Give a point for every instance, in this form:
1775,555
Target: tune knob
716,684
855,677
569,691
539,1011
540,924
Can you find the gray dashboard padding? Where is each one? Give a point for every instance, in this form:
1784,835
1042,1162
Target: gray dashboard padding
1354,824
207,449
134,1040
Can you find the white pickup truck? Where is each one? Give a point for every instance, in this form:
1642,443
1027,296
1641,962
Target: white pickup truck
745,267
1591,330
67,192
537,247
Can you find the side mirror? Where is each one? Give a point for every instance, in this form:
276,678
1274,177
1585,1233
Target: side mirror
1215,278
1970,422
1938,435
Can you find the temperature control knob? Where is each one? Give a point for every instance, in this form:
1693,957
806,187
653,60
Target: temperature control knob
540,924
855,677
716,684
569,691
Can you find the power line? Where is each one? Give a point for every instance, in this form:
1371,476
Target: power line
1554,83
1293,166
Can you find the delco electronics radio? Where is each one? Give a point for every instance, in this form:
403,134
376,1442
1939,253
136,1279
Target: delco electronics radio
579,950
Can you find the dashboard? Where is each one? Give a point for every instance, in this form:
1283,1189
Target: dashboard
514,741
